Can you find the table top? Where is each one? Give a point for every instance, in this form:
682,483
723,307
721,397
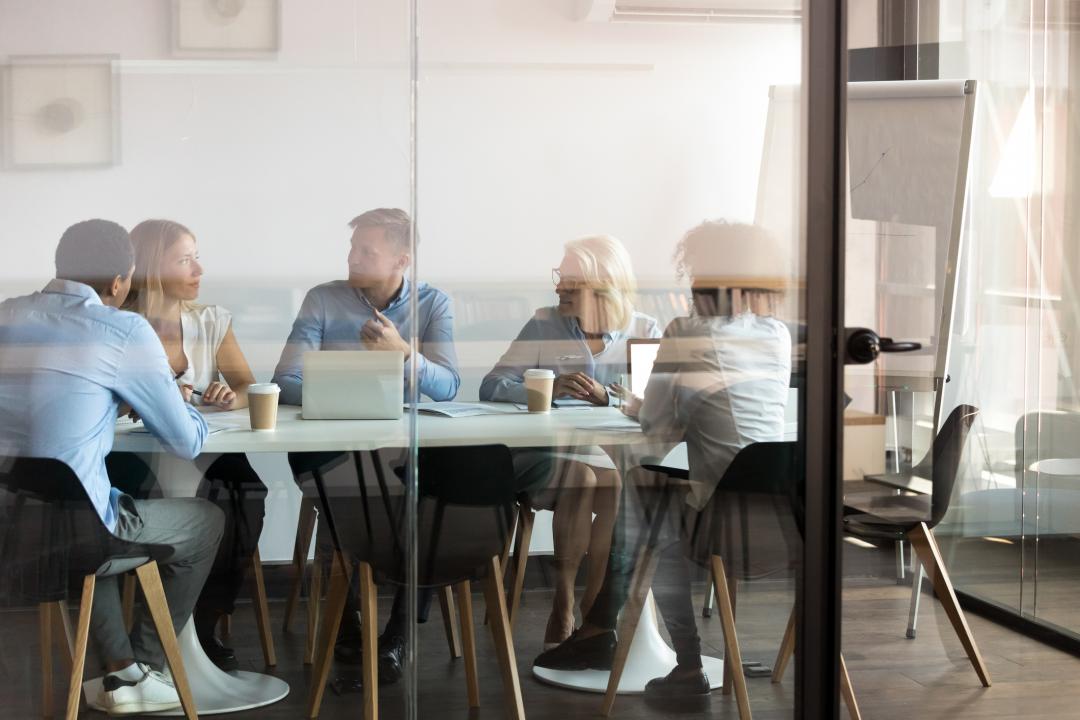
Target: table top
1057,466
565,427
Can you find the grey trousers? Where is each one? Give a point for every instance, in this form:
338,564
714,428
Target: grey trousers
193,528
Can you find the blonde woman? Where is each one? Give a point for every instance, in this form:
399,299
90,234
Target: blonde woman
583,340
211,371
720,383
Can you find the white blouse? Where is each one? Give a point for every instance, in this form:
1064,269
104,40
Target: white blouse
204,329
720,384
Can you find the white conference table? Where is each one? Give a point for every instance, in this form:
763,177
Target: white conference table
218,692
560,427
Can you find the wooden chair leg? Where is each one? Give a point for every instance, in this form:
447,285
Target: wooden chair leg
369,638
628,621
331,621
127,601
847,692
504,562
314,603
56,622
787,649
45,638
732,654
82,637
495,597
262,610
526,518
450,625
923,542
158,607
305,528
468,636
729,674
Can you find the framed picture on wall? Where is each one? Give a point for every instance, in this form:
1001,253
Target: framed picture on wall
226,28
61,111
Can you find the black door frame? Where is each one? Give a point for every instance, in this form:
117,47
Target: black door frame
824,93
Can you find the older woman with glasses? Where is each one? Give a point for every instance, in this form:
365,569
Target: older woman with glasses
583,340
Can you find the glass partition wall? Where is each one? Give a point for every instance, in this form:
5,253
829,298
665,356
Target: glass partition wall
997,498
611,209
573,238
1018,294
261,131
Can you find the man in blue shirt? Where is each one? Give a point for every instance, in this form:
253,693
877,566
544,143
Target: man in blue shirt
70,361
370,311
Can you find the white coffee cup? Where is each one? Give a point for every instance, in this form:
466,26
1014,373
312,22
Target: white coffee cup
262,405
538,386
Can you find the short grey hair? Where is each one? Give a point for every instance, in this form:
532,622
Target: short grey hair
395,223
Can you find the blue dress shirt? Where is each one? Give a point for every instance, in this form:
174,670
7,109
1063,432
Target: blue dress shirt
331,316
553,342
67,361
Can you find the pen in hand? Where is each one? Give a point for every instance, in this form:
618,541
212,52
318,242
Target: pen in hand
193,390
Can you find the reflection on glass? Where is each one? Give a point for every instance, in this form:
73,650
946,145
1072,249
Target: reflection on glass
240,408
582,340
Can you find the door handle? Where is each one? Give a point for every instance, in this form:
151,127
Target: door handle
863,346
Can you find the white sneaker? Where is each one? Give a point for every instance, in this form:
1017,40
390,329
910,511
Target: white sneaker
151,693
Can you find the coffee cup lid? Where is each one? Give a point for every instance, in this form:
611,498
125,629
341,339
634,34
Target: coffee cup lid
539,373
263,389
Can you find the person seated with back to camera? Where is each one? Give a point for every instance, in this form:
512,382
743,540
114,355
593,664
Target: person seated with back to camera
719,383
370,311
71,362
583,341
212,372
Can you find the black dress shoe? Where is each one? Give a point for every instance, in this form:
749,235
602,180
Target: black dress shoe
348,649
391,658
679,684
576,653
222,656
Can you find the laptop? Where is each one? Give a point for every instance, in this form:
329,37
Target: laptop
353,385
640,357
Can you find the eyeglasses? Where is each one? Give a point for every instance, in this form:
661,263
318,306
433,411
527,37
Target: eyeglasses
569,282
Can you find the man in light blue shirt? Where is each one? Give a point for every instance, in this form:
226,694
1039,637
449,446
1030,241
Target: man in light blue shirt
69,361
370,311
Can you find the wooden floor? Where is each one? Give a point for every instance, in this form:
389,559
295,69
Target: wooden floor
894,678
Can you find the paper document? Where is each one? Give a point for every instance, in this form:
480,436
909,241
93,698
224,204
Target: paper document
562,405
211,428
626,425
457,410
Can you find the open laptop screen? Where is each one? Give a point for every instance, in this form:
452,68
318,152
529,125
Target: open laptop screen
640,356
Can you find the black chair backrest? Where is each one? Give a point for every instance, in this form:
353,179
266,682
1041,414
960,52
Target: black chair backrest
754,517
51,532
942,463
465,511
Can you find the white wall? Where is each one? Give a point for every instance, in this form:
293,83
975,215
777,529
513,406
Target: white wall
534,129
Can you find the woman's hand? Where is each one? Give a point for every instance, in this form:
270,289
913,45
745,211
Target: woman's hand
219,394
581,387
630,404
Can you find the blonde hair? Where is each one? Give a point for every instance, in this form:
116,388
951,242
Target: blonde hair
609,272
741,261
151,240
